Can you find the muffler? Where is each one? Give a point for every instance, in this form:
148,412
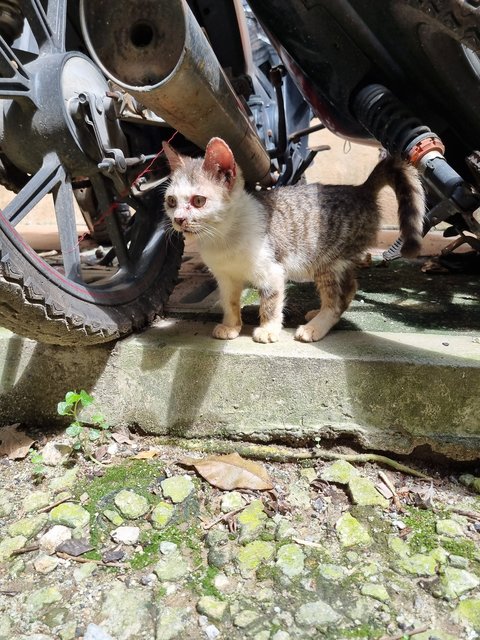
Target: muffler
156,51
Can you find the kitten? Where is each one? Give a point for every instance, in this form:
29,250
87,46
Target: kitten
300,233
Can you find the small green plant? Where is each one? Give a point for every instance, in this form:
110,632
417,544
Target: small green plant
39,469
83,434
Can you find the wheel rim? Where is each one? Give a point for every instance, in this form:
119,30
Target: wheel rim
72,152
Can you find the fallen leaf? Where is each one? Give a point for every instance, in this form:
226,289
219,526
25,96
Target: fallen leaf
231,472
122,436
146,455
115,554
13,443
74,548
101,452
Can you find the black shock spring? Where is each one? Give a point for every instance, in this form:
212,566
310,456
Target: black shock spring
11,20
387,119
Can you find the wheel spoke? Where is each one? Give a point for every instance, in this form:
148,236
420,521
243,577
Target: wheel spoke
14,80
67,228
36,188
115,231
48,28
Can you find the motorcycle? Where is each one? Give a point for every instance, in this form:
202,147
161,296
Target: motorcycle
89,91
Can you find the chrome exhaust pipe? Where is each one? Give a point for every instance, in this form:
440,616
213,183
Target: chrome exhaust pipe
156,51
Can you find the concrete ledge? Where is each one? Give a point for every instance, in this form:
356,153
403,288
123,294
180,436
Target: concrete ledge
388,391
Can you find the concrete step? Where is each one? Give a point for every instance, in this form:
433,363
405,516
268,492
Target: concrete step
401,371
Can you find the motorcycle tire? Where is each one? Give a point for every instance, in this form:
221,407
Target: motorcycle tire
49,148
459,18
38,303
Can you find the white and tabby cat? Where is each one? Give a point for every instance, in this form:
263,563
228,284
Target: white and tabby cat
302,233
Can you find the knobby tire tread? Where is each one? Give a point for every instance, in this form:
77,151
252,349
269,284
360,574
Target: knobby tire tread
461,18
34,307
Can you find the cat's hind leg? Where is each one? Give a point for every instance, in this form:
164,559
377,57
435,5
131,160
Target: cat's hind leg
337,287
230,294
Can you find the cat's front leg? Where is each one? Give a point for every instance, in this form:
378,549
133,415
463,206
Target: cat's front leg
271,310
230,294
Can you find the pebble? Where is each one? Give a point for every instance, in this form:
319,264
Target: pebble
363,493
45,564
9,545
253,554
316,614
449,528
37,599
231,501
376,591
211,632
351,532
340,472
94,632
126,535
114,517
171,567
245,618
167,547
333,572
36,500
419,565
212,607
170,623
70,514
55,453
291,560
131,504
177,488
54,537
28,527
84,571
67,481
6,506
126,612
162,514
468,611
251,521
456,582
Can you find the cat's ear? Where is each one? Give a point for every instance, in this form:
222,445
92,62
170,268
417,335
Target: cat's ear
175,160
219,160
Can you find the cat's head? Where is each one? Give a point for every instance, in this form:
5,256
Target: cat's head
200,190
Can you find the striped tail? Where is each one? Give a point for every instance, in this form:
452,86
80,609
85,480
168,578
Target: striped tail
405,181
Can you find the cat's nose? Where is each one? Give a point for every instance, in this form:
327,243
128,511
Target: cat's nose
180,220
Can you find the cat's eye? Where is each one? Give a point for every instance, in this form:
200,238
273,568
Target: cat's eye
171,201
198,201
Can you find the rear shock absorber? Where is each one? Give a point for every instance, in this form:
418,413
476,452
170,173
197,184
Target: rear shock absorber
402,133
11,20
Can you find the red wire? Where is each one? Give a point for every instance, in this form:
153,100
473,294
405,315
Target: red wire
114,204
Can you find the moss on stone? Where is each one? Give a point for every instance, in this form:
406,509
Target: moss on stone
465,548
423,523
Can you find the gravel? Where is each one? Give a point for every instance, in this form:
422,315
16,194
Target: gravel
322,555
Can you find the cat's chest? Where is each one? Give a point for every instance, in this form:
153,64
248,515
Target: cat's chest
240,261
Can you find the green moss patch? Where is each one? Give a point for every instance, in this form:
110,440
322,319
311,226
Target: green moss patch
423,523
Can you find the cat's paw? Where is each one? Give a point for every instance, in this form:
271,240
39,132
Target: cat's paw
222,332
311,314
266,334
309,333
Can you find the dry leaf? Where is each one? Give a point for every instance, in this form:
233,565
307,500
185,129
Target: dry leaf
231,472
146,455
13,443
122,436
